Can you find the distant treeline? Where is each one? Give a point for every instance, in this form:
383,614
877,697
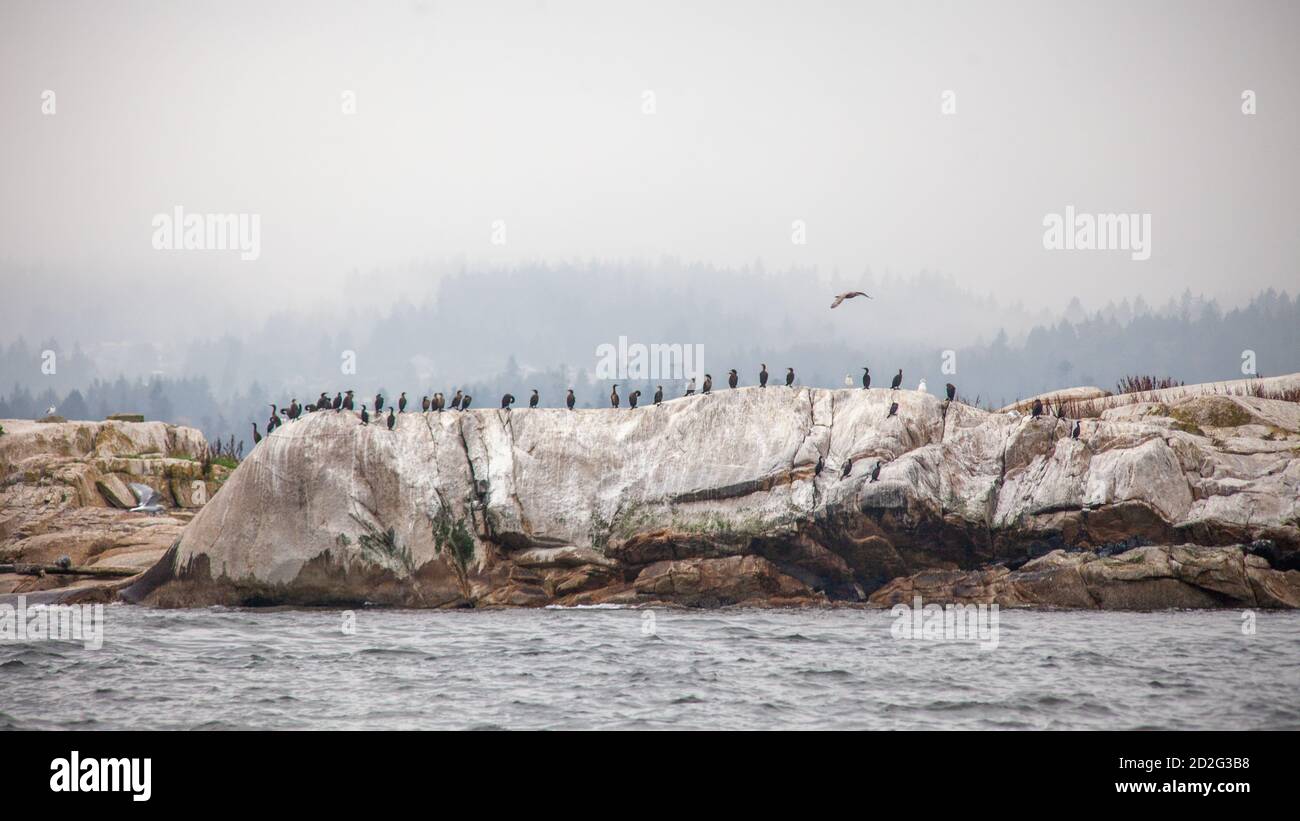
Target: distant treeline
1190,340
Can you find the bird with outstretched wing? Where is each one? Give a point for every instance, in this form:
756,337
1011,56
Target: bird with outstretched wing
150,500
847,295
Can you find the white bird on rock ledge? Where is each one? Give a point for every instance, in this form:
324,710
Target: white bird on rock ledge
921,387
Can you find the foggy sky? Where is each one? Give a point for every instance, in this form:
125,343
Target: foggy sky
532,113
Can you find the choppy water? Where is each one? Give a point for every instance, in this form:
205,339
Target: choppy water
220,668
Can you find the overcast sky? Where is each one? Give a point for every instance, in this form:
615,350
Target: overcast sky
535,114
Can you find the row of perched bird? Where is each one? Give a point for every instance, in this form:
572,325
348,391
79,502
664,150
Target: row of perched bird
461,401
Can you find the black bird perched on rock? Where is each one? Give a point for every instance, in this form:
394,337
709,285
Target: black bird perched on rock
455,401
847,295
821,463
257,437
732,378
613,396
392,420
323,402
464,402
893,409
569,400
952,391
347,400
438,402
762,376
507,400
425,404
875,471
789,377
379,403
1037,410
632,398
534,399
401,403
898,380
708,383
848,468
273,422
365,417
295,410
338,401
1074,434
866,378
659,394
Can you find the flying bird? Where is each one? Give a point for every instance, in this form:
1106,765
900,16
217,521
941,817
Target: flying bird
150,500
847,295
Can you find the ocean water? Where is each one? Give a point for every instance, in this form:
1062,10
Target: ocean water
623,669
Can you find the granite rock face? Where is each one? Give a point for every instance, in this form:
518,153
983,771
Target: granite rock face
64,492
718,499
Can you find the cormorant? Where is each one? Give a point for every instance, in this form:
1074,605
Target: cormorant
507,400
392,420
401,403
425,404
295,410
690,387
875,471
338,401
273,422
323,402
952,391
847,295
464,402
659,394
1074,434
893,409
613,396
379,403
257,437
848,468
762,376
708,383
632,398
347,400
1038,409
438,402
534,399
898,380
821,463
866,378
789,377
365,417
455,401
569,400
732,379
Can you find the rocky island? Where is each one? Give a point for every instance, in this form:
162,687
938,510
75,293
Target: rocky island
1180,498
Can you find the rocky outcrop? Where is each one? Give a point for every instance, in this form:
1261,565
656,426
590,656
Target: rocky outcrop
64,492
1144,578
717,499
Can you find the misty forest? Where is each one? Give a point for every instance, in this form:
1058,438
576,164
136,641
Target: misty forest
498,331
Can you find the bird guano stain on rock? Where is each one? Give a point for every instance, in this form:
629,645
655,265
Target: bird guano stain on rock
577,507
